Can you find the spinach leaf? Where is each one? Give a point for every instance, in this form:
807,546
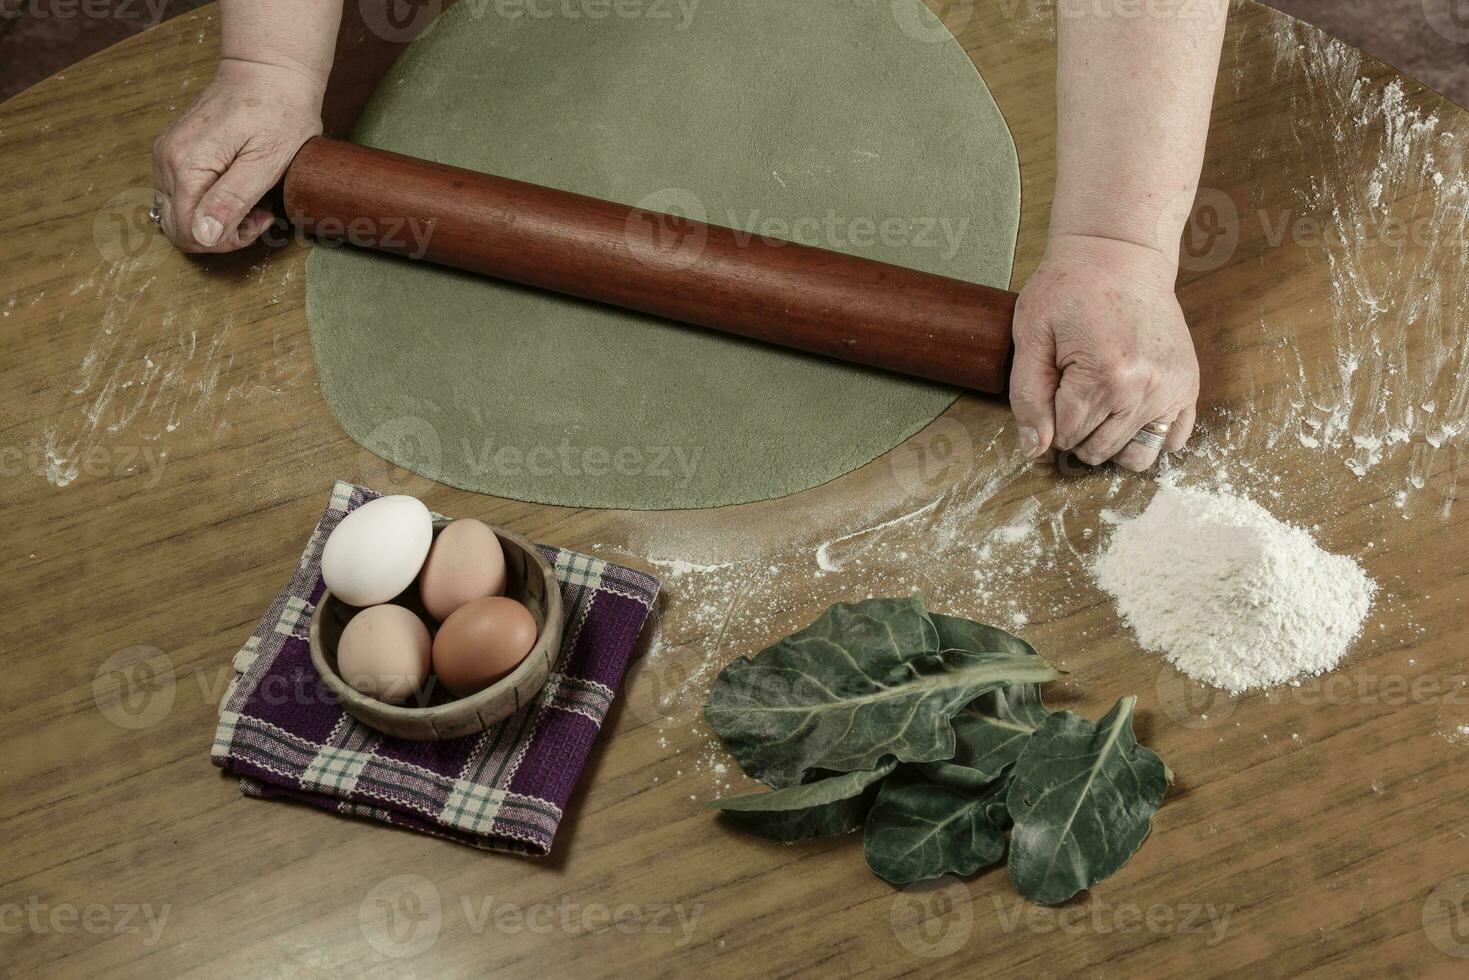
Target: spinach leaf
921,829
965,634
931,731
824,808
1082,797
864,680
990,733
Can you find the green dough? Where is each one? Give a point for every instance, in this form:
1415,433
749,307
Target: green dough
856,125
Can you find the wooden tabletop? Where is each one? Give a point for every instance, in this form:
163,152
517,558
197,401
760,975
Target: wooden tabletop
167,450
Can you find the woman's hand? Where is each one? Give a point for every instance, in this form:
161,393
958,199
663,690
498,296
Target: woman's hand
1101,350
215,163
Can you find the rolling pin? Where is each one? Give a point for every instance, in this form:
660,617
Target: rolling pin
811,299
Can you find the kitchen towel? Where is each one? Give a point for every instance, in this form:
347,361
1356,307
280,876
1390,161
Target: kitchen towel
284,734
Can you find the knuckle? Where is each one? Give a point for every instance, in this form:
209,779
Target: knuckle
178,158
1120,377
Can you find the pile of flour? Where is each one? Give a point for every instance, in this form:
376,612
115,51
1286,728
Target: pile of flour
1230,595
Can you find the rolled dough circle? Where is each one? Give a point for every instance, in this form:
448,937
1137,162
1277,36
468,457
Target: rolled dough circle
856,125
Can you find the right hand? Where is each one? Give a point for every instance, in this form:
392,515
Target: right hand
1101,350
214,164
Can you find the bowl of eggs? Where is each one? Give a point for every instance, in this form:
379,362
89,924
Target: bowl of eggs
431,630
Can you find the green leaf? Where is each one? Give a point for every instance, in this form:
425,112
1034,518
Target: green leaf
863,681
992,729
990,733
824,808
965,634
1082,797
920,829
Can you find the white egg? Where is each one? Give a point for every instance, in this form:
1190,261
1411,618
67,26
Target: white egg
377,550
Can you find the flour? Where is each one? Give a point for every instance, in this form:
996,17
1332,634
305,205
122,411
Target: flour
142,379
1230,595
1375,166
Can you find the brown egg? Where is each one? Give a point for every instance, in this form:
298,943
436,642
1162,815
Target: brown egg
466,562
384,653
481,642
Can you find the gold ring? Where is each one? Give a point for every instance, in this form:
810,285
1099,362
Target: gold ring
1158,428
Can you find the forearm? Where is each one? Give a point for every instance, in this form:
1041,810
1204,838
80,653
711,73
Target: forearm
1135,86
294,37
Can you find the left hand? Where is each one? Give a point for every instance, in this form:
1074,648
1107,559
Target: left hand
213,165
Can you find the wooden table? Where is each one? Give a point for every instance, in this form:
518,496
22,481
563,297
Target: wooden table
166,451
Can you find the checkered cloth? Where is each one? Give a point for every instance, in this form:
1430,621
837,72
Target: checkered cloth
284,734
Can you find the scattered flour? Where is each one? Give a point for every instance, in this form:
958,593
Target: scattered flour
1376,168
1231,595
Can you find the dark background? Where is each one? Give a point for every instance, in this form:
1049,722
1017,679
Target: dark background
41,37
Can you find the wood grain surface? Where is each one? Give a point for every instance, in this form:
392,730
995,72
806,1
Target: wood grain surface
166,451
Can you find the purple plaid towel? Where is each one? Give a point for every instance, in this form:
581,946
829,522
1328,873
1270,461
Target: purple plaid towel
282,732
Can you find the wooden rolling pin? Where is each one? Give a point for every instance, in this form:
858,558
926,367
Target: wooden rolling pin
811,299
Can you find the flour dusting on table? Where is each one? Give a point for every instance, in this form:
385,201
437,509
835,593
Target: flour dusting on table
145,377
1392,387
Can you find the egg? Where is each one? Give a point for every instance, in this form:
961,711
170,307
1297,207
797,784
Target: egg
376,551
466,562
384,652
481,642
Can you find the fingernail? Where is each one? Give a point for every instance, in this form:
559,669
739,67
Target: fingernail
1030,441
207,230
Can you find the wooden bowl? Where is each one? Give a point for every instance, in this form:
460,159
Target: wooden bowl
530,580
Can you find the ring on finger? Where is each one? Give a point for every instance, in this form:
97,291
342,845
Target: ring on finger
1158,428
1150,439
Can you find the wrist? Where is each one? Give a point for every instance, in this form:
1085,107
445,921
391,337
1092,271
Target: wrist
296,83
1137,262
1151,218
